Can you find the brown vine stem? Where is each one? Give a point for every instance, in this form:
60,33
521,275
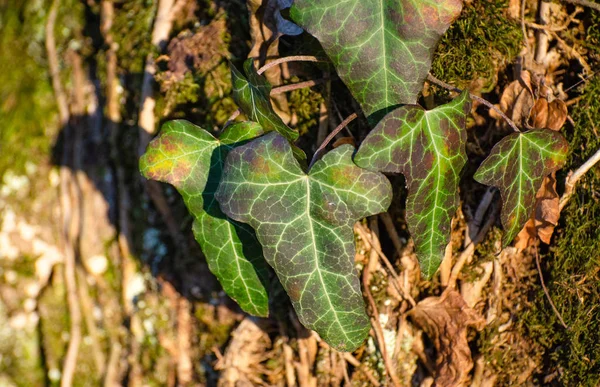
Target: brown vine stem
330,137
574,177
537,262
485,102
67,211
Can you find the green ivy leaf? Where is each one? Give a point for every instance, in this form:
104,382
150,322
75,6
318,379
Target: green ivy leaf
517,165
382,49
252,95
428,148
304,223
191,159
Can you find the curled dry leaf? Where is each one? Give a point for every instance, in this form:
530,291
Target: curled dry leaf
445,320
516,101
550,115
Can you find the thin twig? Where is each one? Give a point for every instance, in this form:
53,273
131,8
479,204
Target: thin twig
482,208
87,305
375,322
296,86
469,251
330,137
388,222
572,18
368,240
354,361
295,58
573,52
525,40
485,102
574,177
537,262
580,82
584,3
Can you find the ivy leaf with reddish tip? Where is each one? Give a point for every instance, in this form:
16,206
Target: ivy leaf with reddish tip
304,223
382,49
517,165
191,159
252,94
428,148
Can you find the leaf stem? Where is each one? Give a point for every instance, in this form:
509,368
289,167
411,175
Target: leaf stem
299,85
485,102
295,58
330,137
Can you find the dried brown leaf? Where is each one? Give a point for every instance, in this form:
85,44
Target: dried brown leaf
557,114
516,100
445,320
539,114
550,115
545,217
547,210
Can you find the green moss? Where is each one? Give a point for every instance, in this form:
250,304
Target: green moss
26,99
132,27
481,42
306,103
54,323
571,265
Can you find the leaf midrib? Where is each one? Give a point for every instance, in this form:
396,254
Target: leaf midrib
437,190
316,256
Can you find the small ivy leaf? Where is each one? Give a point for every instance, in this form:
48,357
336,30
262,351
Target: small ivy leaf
251,94
191,159
382,49
428,148
517,165
304,223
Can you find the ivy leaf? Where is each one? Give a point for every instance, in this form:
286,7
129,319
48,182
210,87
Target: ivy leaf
191,159
382,49
517,165
428,148
252,95
304,223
